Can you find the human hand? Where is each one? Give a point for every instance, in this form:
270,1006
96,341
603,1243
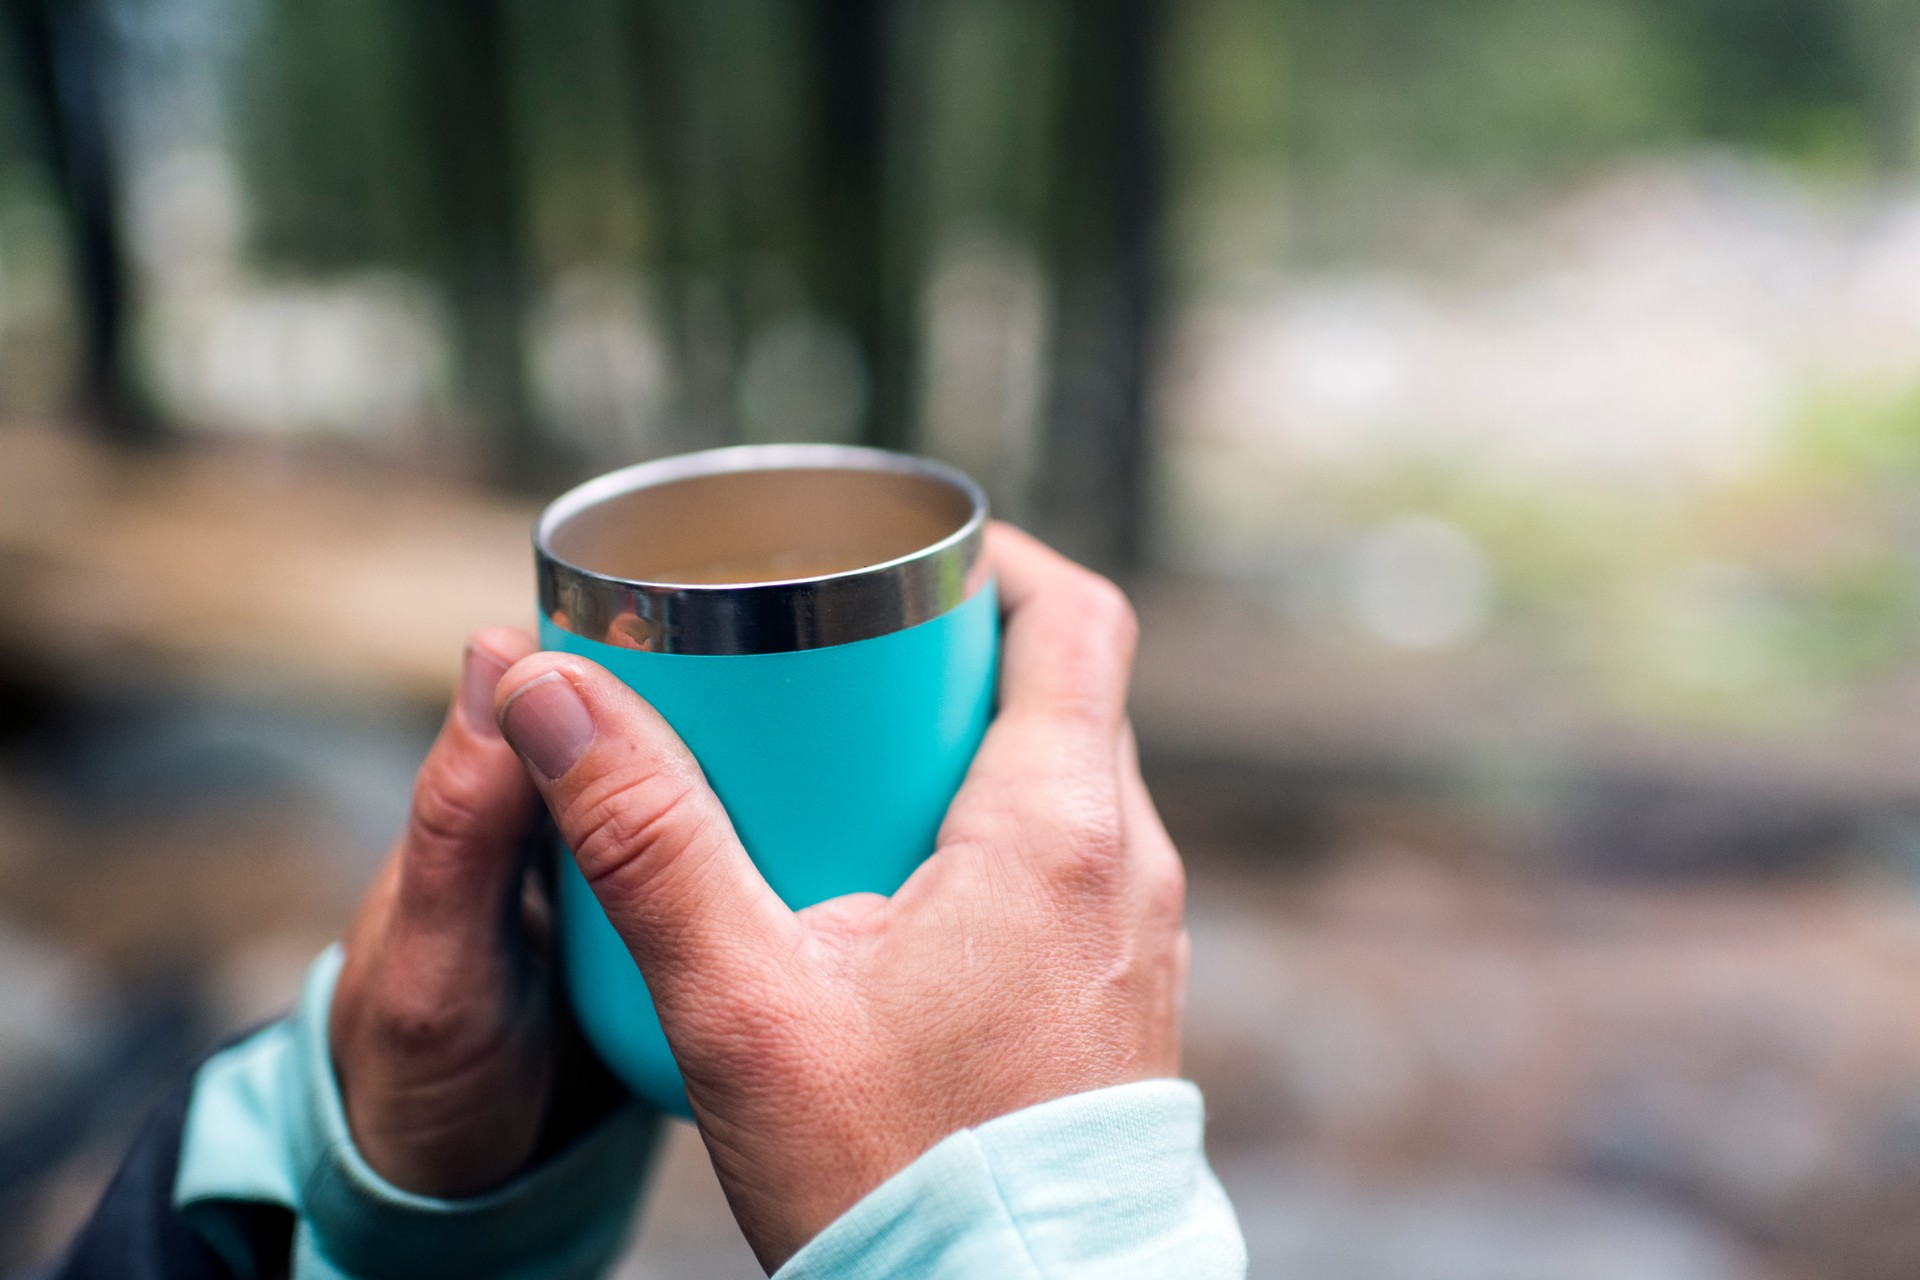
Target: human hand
443,1025
1039,952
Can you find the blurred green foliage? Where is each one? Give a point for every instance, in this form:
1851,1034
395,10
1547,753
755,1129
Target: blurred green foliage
1538,84
628,115
1773,599
754,160
326,132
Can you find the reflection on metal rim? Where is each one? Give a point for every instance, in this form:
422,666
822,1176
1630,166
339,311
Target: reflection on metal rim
720,496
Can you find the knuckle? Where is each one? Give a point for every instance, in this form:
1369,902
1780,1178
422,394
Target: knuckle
1166,893
629,828
405,1022
1095,654
752,1020
510,642
1106,611
974,834
451,803
1088,842
1085,699
1095,831
1109,607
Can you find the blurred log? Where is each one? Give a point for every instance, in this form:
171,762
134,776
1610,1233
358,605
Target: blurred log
251,566
232,567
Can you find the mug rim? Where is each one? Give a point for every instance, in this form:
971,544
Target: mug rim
767,616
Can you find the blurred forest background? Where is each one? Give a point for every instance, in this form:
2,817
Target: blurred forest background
1506,414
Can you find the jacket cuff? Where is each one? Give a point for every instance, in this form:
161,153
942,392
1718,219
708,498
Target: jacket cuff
267,1123
1112,1183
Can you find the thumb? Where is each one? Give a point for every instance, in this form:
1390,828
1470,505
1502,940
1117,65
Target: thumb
460,858
647,832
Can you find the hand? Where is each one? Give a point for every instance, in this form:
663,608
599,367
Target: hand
443,1023
1038,953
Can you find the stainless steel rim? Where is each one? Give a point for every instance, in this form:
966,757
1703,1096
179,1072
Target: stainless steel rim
762,617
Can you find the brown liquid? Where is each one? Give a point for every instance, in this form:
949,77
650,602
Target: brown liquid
761,526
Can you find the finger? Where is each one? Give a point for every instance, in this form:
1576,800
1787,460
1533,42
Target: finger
646,830
460,858
1158,876
1159,895
1175,1004
1160,881
1044,789
1068,647
1148,844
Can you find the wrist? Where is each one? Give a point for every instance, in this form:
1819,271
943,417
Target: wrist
1109,1183
267,1125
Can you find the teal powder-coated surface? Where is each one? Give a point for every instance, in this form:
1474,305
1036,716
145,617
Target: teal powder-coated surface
836,765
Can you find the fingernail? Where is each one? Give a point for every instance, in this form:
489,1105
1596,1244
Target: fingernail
480,673
546,722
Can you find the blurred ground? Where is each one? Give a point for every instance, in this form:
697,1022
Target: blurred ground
1495,994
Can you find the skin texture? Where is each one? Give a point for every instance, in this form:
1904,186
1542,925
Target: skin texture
444,1026
1040,952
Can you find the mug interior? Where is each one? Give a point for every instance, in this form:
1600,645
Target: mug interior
760,526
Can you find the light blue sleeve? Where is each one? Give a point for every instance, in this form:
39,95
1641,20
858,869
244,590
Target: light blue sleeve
266,1123
1111,1184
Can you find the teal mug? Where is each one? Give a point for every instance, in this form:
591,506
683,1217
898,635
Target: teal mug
818,624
